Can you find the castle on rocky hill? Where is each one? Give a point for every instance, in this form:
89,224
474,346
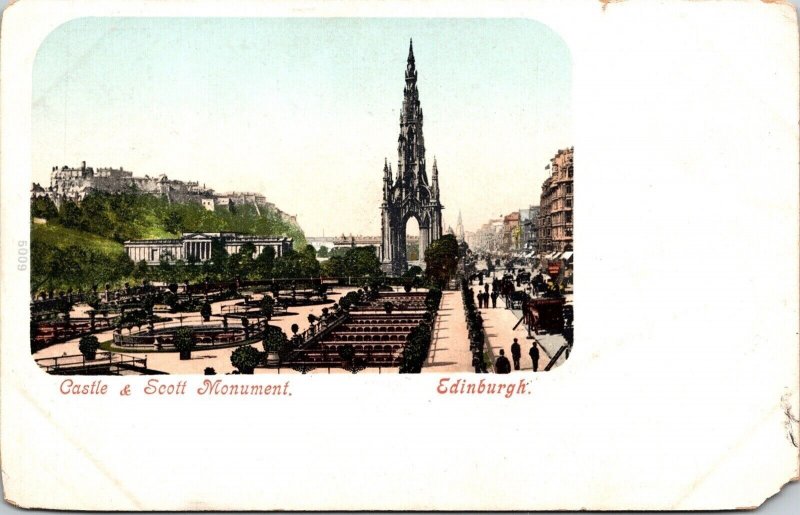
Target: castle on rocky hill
76,183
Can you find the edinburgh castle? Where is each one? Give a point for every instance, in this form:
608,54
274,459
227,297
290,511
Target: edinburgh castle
76,183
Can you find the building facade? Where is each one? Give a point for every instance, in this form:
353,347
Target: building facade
554,234
409,194
529,219
196,247
512,232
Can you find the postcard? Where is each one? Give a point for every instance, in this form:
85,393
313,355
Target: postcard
328,255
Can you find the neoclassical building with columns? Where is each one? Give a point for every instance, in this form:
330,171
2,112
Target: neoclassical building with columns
196,246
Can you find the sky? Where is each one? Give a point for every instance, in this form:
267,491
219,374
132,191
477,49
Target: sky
304,110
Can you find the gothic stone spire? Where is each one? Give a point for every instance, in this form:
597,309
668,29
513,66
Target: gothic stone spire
411,143
410,195
435,181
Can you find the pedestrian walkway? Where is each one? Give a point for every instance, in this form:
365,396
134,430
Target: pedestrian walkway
499,325
450,347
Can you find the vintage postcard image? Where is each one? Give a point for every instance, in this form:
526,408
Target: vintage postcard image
328,237
329,255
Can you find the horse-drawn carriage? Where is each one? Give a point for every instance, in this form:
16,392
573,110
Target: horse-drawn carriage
546,314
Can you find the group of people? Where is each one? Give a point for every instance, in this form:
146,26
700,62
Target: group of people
503,366
499,287
483,297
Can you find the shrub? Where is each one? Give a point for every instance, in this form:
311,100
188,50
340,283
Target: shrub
274,340
432,299
205,311
416,350
346,352
267,307
245,359
184,342
353,297
88,346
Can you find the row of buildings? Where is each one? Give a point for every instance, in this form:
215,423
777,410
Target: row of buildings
75,183
544,230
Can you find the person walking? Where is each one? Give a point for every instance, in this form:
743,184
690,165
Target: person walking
486,287
516,353
502,365
494,299
534,354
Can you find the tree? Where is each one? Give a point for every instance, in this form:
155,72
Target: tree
164,270
412,272
184,342
43,207
88,346
218,265
388,307
294,264
264,263
173,222
322,252
233,266
356,262
441,260
245,359
141,270
69,214
246,259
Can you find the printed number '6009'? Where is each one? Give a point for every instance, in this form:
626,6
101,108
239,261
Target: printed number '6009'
22,255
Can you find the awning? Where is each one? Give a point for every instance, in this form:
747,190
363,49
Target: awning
567,256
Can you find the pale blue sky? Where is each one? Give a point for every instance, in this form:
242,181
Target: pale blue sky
305,110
